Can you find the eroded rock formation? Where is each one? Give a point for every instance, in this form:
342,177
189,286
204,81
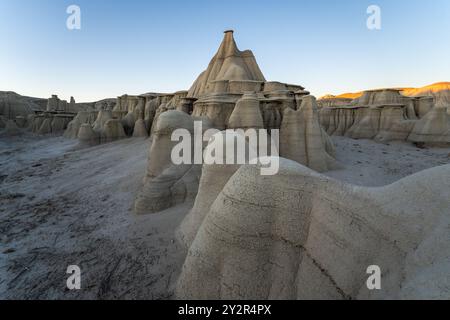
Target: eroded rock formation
10,129
81,118
137,115
87,136
140,130
391,114
112,131
229,75
232,94
303,140
213,179
13,105
300,235
165,183
246,113
433,128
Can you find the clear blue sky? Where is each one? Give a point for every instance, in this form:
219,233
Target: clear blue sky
140,46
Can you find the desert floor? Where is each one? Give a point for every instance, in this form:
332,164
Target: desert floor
60,206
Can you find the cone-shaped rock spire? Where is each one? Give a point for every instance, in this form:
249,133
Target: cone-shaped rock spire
228,64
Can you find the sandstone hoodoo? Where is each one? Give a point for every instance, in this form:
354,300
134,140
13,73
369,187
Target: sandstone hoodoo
302,138
213,178
391,115
229,75
230,70
10,129
258,241
87,136
231,94
237,188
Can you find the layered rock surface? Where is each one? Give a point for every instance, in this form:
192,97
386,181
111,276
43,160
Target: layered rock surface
303,140
300,235
391,114
166,184
232,94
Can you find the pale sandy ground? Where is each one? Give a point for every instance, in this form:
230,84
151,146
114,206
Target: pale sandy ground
60,207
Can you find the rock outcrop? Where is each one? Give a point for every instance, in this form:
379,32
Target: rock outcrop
13,105
59,123
231,94
228,64
440,92
133,112
162,144
112,131
300,235
140,130
87,136
366,124
230,74
165,183
213,179
388,114
246,113
303,140
3,121
82,117
433,128
102,117
56,104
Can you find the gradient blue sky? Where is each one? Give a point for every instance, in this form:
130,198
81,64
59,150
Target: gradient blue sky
161,46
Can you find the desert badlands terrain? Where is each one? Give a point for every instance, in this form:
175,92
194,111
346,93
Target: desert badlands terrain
363,180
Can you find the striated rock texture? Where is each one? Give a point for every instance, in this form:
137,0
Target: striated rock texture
390,114
30,113
59,123
165,183
13,105
232,74
440,92
102,117
433,128
82,117
300,235
162,145
231,94
366,124
112,131
72,129
375,113
140,129
55,104
303,140
87,136
394,124
227,64
133,112
175,185
10,129
48,123
330,101
45,127
213,178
